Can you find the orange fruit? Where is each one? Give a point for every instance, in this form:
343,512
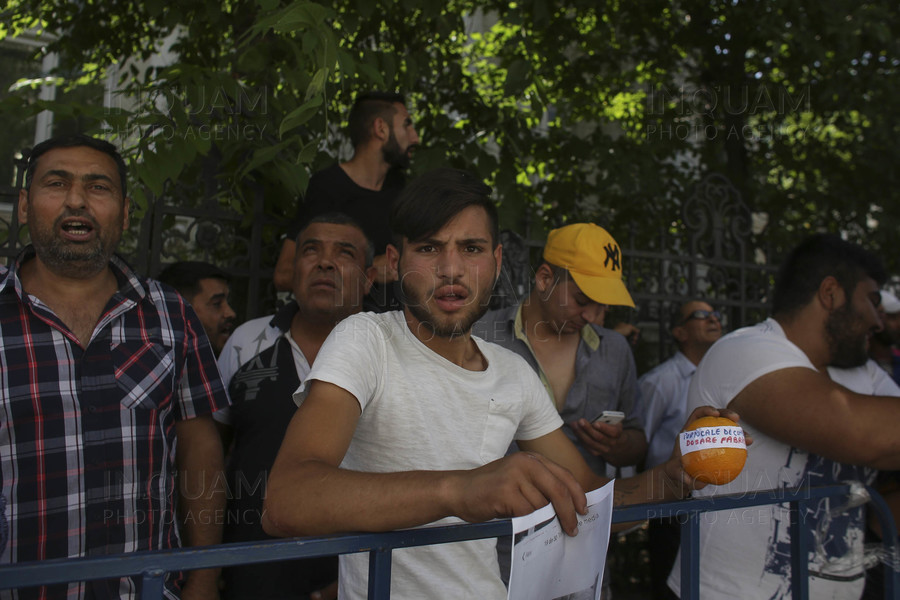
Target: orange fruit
713,450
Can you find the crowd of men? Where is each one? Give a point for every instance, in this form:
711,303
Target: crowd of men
384,395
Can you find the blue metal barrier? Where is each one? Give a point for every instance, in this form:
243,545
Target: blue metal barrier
152,566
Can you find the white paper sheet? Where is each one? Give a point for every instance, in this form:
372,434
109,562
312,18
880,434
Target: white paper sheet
547,564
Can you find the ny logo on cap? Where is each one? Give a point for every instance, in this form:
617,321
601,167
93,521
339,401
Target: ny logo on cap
612,254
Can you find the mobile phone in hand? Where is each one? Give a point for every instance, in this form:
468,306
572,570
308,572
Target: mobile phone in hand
610,417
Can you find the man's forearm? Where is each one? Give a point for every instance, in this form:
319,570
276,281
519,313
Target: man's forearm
315,498
654,485
201,495
318,499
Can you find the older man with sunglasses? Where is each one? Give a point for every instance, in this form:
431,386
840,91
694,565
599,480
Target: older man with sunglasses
662,407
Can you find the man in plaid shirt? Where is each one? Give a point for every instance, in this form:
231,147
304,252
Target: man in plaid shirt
101,372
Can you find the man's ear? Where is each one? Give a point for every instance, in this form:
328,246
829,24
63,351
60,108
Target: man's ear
544,278
22,209
127,218
381,129
679,333
371,274
393,257
831,294
498,257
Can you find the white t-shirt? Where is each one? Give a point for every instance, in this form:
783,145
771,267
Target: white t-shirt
745,553
422,412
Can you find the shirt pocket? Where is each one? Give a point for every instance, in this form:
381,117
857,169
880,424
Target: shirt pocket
145,374
501,424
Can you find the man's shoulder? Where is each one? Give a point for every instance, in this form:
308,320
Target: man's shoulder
610,338
504,359
765,334
330,172
253,329
867,378
384,325
328,185
664,370
165,299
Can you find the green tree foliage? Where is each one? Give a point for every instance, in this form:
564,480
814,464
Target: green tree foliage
578,109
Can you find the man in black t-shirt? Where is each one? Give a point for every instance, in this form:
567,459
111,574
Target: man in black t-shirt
383,138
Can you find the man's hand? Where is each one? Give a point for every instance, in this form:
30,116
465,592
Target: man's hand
517,485
601,439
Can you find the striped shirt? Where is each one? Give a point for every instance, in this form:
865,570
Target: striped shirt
87,435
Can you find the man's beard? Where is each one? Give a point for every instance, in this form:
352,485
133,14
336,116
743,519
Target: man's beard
419,309
848,347
393,154
72,258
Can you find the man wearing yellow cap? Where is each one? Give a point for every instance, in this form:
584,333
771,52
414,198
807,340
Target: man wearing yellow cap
586,369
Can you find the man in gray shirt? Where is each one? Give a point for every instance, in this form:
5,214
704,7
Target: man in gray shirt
586,369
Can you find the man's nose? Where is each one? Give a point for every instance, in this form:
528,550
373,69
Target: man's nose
327,260
449,264
76,196
229,311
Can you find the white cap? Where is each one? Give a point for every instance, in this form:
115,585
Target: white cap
889,302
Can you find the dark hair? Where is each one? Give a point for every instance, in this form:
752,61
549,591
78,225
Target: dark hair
366,108
432,200
339,218
185,276
816,258
560,274
73,141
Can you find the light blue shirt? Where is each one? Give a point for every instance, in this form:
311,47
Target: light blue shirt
662,405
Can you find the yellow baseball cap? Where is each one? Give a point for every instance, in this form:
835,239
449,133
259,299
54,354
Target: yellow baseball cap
594,260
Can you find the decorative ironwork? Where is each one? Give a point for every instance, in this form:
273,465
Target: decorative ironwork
710,253
514,281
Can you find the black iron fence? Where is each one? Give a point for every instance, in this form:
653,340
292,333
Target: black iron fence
151,567
709,251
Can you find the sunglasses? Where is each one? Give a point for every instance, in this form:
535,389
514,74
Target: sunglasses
701,315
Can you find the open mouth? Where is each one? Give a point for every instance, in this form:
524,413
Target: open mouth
451,298
77,229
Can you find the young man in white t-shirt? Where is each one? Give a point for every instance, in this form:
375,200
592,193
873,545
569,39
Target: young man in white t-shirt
819,414
406,417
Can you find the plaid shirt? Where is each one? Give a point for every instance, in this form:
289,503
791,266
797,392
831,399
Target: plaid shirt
87,435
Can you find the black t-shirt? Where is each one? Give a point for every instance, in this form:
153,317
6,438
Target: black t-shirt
261,392
332,190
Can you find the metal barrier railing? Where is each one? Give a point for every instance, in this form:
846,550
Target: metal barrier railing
152,567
